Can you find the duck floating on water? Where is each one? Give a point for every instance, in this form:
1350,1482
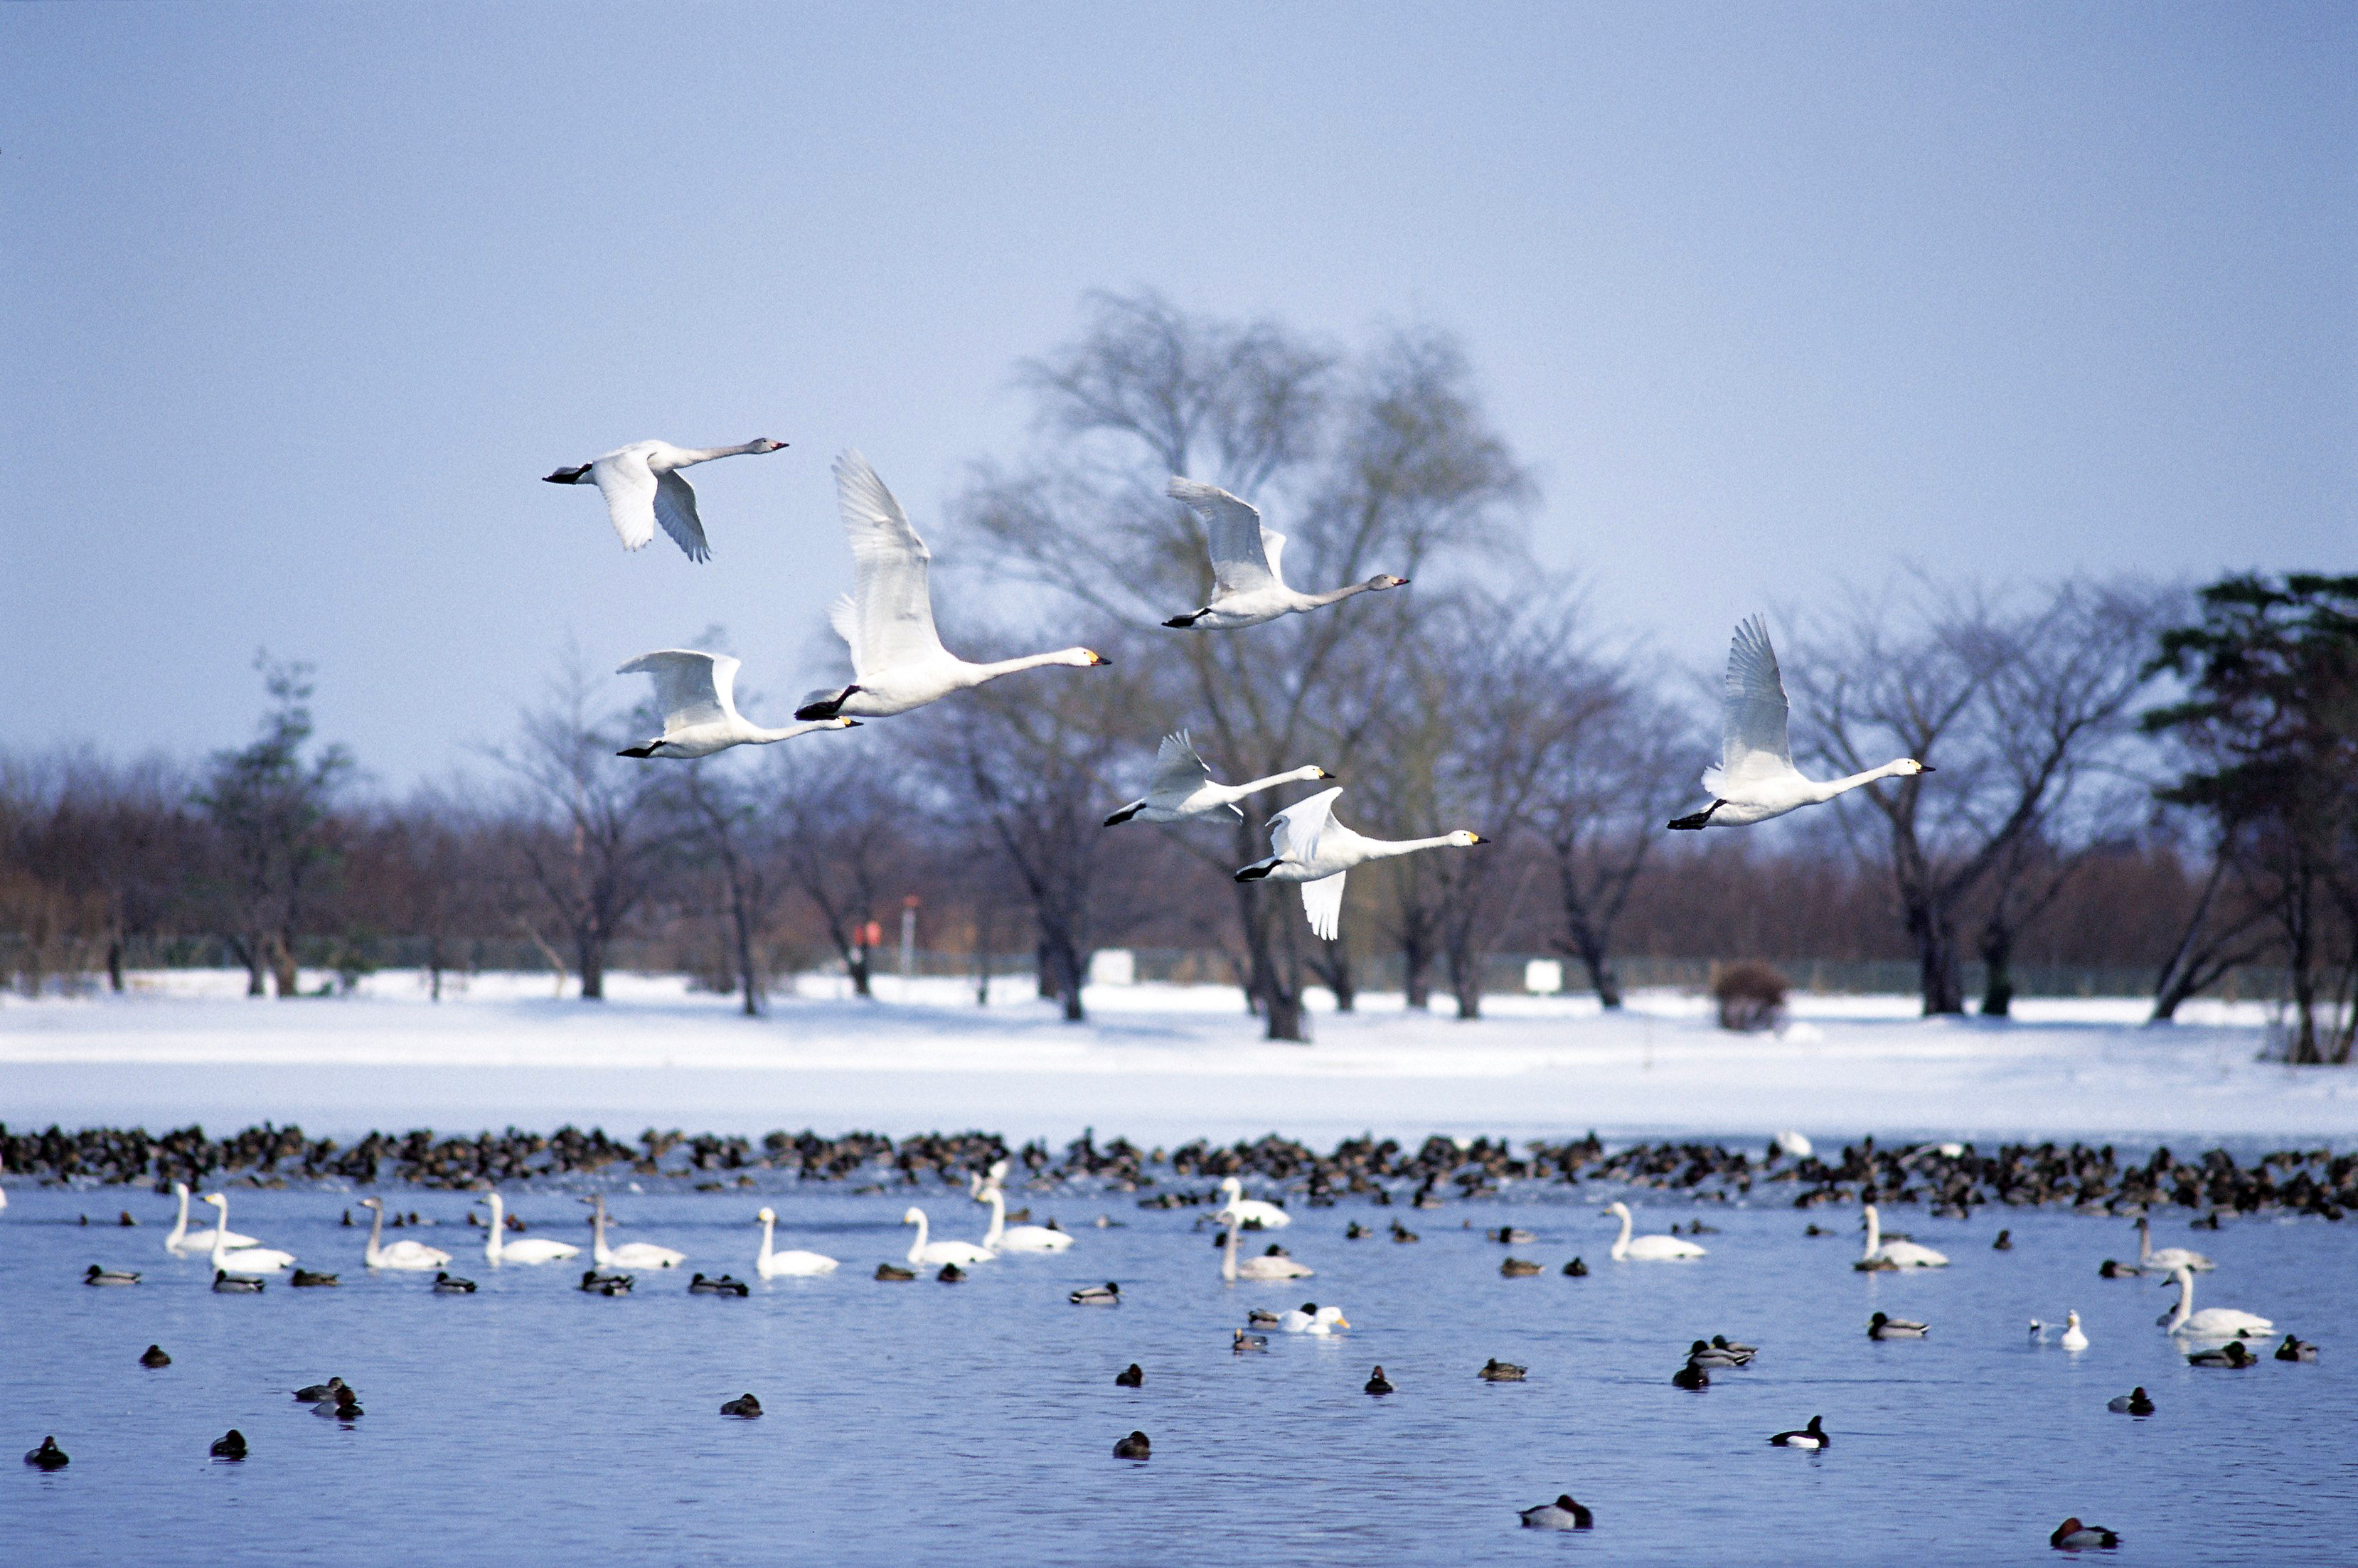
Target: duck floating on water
745,1407
345,1406
2296,1350
2231,1353
311,1280
2073,1536
1881,1326
598,1284
448,1284
48,1456
1561,1514
235,1284
1312,1318
1376,1382
1134,1446
1743,1353
1245,1342
1576,1268
894,1272
1691,1377
1107,1294
231,1445
154,1357
726,1285
1813,1436
2136,1401
98,1276
1519,1268
1497,1371
313,1393
1130,1376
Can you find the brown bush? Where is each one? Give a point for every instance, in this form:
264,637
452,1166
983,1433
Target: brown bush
1751,997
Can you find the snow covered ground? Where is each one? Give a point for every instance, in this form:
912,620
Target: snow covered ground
1154,1063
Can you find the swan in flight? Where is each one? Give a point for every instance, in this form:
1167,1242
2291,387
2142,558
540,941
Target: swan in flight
1315,850
770,1264
697,693
1248,566
531,1249
1269,1267
631,1254
1648,1248
642,486
1882,1254
2168,1258
932,1252
1249,1211
2211,1322
1755,779
1181,789
414,1257
1000,1237
243,1259
184,1241
898,662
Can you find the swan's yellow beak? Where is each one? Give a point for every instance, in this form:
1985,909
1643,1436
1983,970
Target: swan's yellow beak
1342,1322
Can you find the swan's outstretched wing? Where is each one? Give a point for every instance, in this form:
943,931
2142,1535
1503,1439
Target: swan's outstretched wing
1178,771
891,621
1756,741
1322,900
1294,832
628,487
690,687
1240,562
675,510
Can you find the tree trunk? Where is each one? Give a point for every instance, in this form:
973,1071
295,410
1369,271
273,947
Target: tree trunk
1465,979
1938,975
1334,966
743,919
855,963
1416,964
981,959
284,972
249,952
114,964
434,967
1598,961
590,957
1997,980
1281,1002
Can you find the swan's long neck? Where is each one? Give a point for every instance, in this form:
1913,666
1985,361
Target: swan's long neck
917,1248
599,1254
220,1232
2145,1243
769,1225
689,456
1228,1252
1336,595
376,1237
1873,1232
1299,776
1387,849
1832,787
998,1202
180,1226
1622,1245
499,1222
975,675
2185,1308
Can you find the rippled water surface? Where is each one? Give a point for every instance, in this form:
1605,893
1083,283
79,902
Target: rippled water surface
974,1422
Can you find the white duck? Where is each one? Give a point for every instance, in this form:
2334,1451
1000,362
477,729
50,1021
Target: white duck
2168,1258
1181,789
925,1251
1265,1267
770,1264
1755,779
642,486
183,1241
1250,1211
2211,1322
531,1249
1003,1237
1248,566
1896,1254
243,1259
1315,850
697,693
1648,1248
2074,1336
631,1254
1312,1318
413,1256
898,662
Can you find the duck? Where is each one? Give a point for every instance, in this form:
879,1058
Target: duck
725,1285
1004,1238
409,1257
745,1406
1561,1514
1743,1353
1181,788
1402,1236
1134,1446
1312,1318
1261,1317
242,1259
230,1284
1317,853
2136,1401
793,1262
2296,1350
345,1406
1880,1326
1518,1268
312,1393
48,1456
631,1254
1252,1213
1107,1294
1576,1269
452,1285
1755,779
696,694
1691,1377
1249,585
231,1445
1646,1249
182,1241
2073,1339
98,1276
154,1355
1355,1231
1376,1382
1130,1376
1896,1254
1497,1371
2073,1536
2005,1242
1810,1437
1244,1342
2232,1354
498,1249
2211,1322
951,1274
599,1284
1703,1353
312,1280
641,487
930,1253
1271,1265
2168,1258
2112,1269
894,1272
898,662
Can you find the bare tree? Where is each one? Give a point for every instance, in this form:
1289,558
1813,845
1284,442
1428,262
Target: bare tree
729,835
844,833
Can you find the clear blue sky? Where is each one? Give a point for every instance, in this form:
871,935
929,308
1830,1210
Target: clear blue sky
301,300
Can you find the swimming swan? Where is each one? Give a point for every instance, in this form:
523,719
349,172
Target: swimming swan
414,1257
1896,1254
1181,788
642,486
1249,1211
1248,584
2211,1322
898,662
1002,1238
1648,1248
1270,1267
530,1249
244,1259
182,1241
631,1254
929,1252
1317,851
1755,779
793,1262
697,693
2168,1258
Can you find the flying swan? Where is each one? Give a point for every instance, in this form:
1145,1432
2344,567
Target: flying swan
642,486
1315,850
898,662
1755,779
1248,566
1181,789
697,693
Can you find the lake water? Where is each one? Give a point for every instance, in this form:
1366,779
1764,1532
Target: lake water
923,1422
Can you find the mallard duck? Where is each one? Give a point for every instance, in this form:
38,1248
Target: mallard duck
48,1456
1378,1383
745,1406
2111,1268
2231,1353
2073,1536
1691,1377
98,1276
1513,1236
154,1357
1882,1328
311,1279
1107,1294
894,1271
2005,1242
1497,1371
598,1284
1703,1354
446,1285
229,1446
726,1285
1743,1353
1519,1268
1561,1514
1354,1231
2296,1350
1134,1446
1261,1317
1403,1234
2135,1402
1810,1437
1244,1342
235,1284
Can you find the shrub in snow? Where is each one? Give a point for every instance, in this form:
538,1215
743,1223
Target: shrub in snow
1751,997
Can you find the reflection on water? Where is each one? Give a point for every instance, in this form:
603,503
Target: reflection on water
975,1423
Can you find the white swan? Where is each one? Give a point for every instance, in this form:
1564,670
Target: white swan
411,1256
184,1241
1896,1254
697,693
1248,566
531,1249
1315,850
243,1259
1312,1318
1265,1267
898,662
642,486
1755,779
1648,1248
2168,1258
631,1254
2211,1322
1000,1238
770,1265
923,1251
1268,1215
1181,789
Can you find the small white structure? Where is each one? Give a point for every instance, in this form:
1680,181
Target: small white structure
1544,977
1113,967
